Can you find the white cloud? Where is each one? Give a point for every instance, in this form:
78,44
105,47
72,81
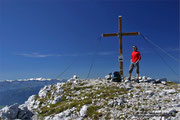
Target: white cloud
38,55
105,53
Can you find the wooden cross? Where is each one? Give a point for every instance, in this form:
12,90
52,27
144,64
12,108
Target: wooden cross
120,34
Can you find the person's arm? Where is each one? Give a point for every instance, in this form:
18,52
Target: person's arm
139,57
137,61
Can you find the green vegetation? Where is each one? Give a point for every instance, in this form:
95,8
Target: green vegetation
93,113
108,92
128,106
121,107
82,88
167,100
36,97
62,106
138,87
172,84
122,118
144,109
78,99
107,117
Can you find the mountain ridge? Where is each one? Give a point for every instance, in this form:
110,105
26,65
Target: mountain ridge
101,99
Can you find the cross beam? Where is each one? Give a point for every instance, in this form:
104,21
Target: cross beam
120,34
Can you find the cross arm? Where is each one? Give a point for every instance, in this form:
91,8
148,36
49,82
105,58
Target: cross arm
131,33
110,35
117,34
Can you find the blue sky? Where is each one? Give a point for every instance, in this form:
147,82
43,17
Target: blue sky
40,38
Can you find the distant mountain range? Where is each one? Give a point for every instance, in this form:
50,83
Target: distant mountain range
18,91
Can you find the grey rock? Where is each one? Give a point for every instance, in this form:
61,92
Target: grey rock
24,113
162,93
44,90
149,92
57,99
177,117
178,96
110,102
10,112
108,77
144,78
31,103
164,82
65,115
169,91
128,86
75,77
83,110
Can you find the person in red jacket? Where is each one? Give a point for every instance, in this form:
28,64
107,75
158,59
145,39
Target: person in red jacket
135,58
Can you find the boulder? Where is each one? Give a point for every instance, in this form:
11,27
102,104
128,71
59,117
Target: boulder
65,115
57,99
75,77
31,103
170,91
178,96
162,80
149,92
108,77
144,78
83,110
8,113
110,102
42,93
162,93
24,113
128,86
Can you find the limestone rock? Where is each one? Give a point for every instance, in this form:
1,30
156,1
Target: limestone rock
10,112
56,99
169,91
83,110
44,90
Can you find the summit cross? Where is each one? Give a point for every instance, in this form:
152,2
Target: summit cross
120,34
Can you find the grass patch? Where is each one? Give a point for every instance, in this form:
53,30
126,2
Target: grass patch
93,113
122,118
121,107
104,92
138,87
62,106
110,92
82,88
36,97
172,84
107,117
82,83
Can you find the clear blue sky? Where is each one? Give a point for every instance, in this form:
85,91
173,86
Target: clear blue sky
40,38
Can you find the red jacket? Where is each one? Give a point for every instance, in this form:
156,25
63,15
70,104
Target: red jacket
135,56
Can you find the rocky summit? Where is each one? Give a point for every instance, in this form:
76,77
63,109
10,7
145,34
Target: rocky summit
101,99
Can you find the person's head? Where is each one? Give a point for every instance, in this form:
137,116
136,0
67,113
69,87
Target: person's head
134,48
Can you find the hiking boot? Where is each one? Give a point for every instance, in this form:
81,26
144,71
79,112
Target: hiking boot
129,78
137,80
